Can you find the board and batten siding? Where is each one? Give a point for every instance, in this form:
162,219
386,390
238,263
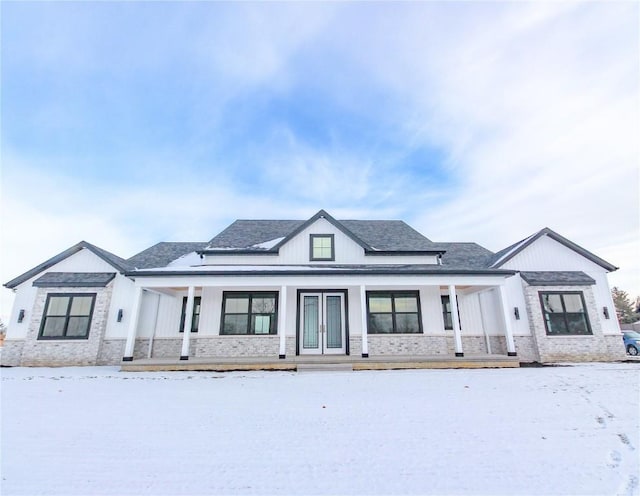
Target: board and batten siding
296,251
546,254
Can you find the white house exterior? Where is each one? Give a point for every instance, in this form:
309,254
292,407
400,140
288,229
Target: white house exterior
283,288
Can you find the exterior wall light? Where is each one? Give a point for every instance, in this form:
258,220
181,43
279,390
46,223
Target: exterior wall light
20,316
605,312
120,312
516,312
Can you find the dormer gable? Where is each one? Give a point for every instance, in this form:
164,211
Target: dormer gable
319,239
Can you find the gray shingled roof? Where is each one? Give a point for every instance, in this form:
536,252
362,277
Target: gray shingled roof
246,233
386,235
162,254
557,278
74,279
464,255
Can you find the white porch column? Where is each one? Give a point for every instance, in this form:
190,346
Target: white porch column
282,322
188,320
133,325
363,314
508,331
453,302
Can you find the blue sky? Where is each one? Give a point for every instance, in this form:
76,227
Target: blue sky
128,123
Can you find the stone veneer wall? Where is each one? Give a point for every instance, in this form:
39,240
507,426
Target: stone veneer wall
66,352
593,347
409,344
11,352
238,346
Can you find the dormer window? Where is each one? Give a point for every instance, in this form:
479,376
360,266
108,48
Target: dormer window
322,247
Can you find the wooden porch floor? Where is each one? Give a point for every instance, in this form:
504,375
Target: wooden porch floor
307,363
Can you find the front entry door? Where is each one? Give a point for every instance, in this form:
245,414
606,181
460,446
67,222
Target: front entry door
322,323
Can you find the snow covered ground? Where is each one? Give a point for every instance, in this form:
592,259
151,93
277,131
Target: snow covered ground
95,430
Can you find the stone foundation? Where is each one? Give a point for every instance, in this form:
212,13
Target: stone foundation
11,352
238,346
409,344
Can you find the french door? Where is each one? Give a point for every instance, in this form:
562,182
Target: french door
322,324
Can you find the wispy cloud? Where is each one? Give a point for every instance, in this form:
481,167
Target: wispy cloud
130,123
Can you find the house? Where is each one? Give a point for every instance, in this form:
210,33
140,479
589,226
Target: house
282,288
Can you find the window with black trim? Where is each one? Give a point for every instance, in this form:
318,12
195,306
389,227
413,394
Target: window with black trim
195,321
322,247
564,313
394,312
67,316
249,313
446,313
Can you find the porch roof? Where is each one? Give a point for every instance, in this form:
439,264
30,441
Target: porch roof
74,279
557,278
316,270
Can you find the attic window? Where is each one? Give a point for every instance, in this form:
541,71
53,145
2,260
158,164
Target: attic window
322,247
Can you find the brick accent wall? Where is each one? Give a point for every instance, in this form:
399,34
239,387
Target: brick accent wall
66,352
586,348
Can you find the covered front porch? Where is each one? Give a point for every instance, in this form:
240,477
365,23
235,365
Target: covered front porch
291,320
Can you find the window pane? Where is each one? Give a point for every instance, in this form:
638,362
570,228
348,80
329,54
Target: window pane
556,323
195,324
552,303
446,304
58,305
263,305
407,323
577,323
379,304
237,305
448,320
261,324
81,305
235,324
54,326
406,304
573,303
321,246
381,324
78,326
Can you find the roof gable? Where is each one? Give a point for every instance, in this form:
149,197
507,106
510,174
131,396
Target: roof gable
503,256
115,261
267,236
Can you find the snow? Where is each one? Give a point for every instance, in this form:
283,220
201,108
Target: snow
188,259
95,430
267,245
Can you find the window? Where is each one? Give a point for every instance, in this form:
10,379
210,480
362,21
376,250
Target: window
67,316
564,314
446,313
322,247
195,321
394,313
249,313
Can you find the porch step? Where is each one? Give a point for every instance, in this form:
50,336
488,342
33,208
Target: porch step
324,367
